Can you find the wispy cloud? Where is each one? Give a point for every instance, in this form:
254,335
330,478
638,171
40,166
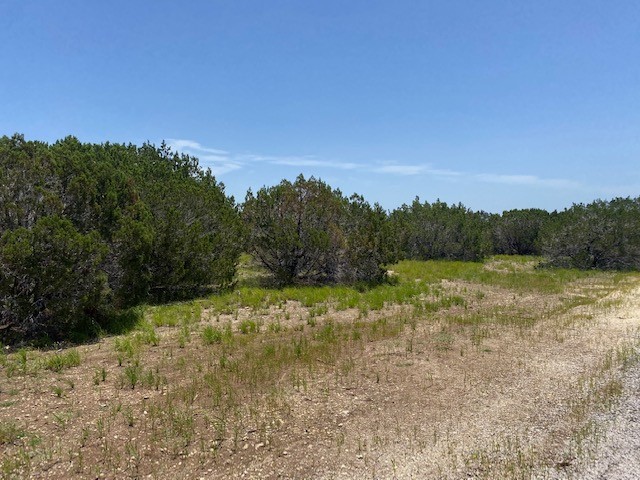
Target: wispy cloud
222,161
424,169
219,161
525,180
310,162
401,169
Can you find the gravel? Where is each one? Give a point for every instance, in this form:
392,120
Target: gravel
617,457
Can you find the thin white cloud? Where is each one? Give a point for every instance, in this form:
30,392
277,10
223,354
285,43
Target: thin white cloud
401,169
219,161
396,169
309,162
180,145
526,180
222,161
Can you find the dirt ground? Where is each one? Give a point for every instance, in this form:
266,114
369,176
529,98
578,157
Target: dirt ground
614,454
439,400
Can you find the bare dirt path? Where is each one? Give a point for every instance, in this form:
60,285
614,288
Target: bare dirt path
516,416
616,450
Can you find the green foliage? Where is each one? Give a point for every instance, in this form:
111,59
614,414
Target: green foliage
368,242
601,235
90,229
426,231
50,279
211,335
62,361
305,231
517,232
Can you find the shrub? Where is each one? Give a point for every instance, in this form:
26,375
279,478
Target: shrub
601,235
517,232
307,232
50,279
426,231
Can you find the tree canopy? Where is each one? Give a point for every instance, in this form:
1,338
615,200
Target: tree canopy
305,231
114,225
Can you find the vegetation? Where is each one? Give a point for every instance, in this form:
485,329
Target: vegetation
601,235
517,232
86,229
270,371
427,231
90,231
305,231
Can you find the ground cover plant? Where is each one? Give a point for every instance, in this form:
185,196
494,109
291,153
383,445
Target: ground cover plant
447,370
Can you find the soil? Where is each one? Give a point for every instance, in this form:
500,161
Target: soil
441,401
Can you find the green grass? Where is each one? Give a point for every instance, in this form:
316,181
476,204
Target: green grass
416,282
62,361
211,335
10,433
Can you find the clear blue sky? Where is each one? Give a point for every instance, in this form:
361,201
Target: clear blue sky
497,104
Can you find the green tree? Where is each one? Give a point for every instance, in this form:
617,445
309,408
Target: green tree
368,242
601,235
165,227
438,231
517,232
304,231
50,279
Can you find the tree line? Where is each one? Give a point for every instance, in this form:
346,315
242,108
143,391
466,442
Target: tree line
87,230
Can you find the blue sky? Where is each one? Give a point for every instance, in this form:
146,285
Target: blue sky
495,104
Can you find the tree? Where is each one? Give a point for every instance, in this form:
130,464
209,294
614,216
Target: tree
50,279
198,232
517,232
438,231
601,235
368,242
164,226
305,231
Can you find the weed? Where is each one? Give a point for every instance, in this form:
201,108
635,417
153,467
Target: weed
248,326
211,335
275,327
132,374
61,361
10,433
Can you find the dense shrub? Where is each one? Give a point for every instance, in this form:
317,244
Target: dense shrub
165,227
50,279
601,235
368,242
305,231
426,231
517,232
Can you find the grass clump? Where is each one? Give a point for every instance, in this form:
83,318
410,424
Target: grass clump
10,433
62,361
211,335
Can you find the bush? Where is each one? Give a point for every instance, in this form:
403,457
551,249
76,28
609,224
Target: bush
307,232
143,223
426,231
50,279
601,235
517,232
